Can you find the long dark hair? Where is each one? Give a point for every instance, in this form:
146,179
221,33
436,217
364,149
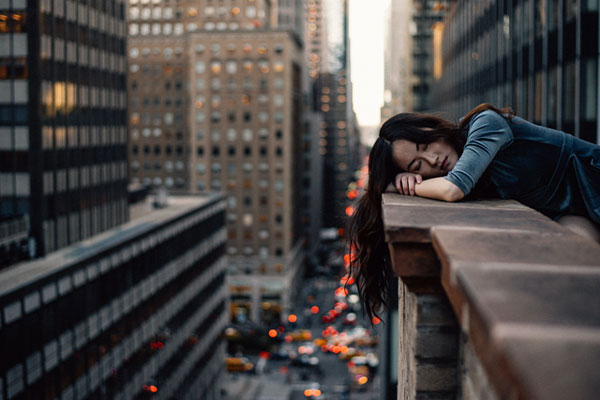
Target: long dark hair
369,257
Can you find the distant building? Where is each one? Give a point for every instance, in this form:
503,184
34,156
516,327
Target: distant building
399,30
539,57
326,38
137,309
63,132
216,105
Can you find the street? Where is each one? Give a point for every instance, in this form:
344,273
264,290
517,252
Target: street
307,363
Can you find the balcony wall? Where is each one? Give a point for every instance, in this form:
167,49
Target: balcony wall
496,301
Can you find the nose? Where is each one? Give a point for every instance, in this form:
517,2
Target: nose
431,158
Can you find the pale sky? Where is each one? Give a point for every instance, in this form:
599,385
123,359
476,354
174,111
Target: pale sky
366,31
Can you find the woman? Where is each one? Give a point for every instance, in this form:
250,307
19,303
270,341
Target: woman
490,153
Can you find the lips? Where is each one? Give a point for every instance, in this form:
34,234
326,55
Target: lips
445,163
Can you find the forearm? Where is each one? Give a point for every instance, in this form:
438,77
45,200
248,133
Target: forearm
439,189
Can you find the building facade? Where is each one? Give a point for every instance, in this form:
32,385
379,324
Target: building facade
538,57
215,95
398,58
133,311
63,138
327,52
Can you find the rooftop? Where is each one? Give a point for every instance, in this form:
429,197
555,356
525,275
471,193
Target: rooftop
144,218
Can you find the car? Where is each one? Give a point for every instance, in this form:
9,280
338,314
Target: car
327,319
306,361
350,319
238,364
301,335
313,391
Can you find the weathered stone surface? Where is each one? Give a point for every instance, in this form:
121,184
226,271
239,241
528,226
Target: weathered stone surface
437,342
556,368
556,246
436,377
414,259
401,200
413,223
533,297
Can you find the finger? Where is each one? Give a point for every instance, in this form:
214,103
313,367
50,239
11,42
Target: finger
405,188
419,179
398,183
411,186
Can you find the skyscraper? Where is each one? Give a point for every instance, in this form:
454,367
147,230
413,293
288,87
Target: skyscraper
215,105
63,118
326,35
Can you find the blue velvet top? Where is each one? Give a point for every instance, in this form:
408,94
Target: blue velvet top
545,169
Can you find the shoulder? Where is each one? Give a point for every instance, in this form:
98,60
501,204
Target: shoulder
489,126
488,117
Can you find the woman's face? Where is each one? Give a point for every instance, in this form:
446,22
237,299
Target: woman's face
429,160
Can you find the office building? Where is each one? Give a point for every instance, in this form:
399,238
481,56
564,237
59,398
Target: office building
326,37
538,57
399,27
215,97
63,127
137,310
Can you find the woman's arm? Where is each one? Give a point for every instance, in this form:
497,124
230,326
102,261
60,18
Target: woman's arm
435,188
439,189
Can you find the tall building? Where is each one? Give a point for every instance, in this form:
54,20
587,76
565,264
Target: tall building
539,57
63,138
137,310
399,27
426,36
215,105
327,49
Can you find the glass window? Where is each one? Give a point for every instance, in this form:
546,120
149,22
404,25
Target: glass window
146,12
200,168
200,67
134,29
167,29
231,134
178,29
231,66
247,134
215,67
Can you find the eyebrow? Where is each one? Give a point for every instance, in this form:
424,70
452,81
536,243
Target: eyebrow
414,159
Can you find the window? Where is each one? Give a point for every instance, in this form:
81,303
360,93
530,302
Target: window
247,134
215,67
231,67
231,134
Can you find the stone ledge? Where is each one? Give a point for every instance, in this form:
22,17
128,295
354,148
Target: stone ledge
525,290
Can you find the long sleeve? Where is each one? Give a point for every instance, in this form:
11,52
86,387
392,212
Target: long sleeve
488,133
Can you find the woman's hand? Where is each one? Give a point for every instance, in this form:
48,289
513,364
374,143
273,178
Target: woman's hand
405,182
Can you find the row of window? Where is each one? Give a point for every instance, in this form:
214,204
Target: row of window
158,12
216,117
216,84
216,151
215,49
231,67
178,28
262,251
